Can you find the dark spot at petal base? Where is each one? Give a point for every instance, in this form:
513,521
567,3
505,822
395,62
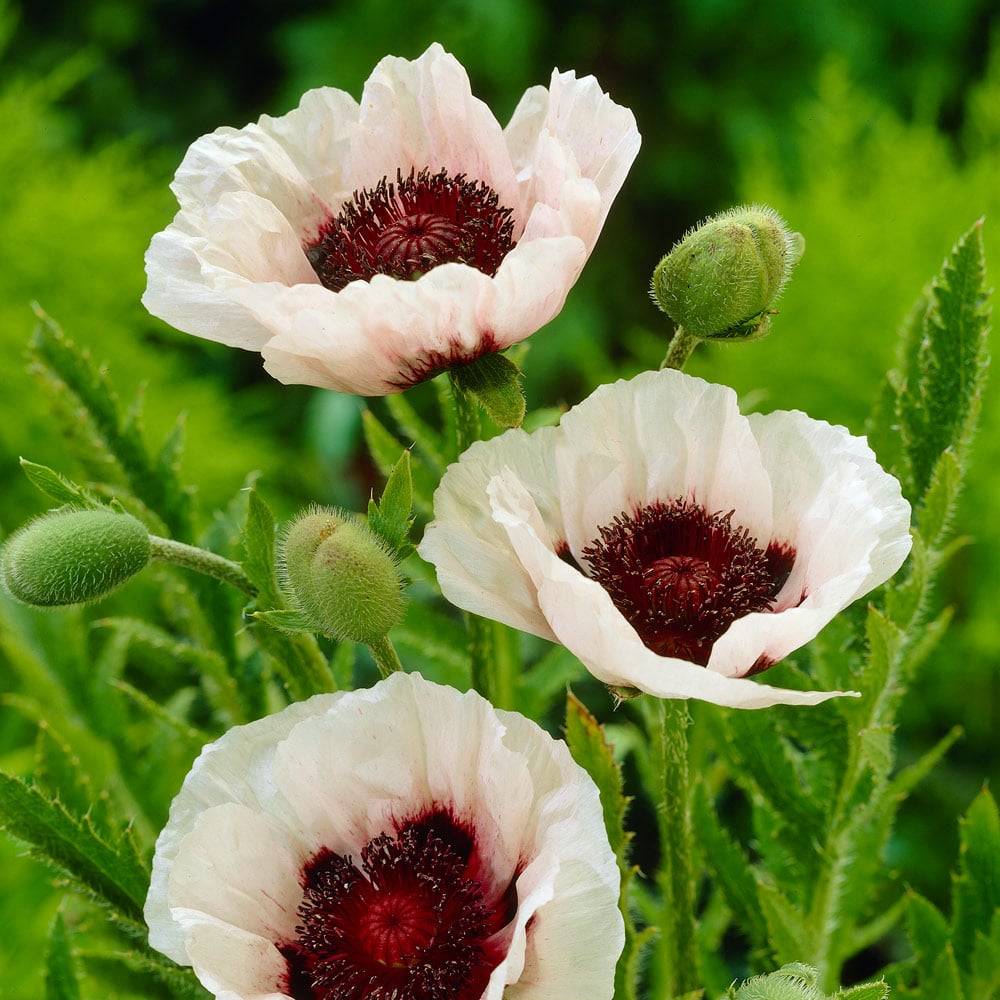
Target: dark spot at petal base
411,921
682,576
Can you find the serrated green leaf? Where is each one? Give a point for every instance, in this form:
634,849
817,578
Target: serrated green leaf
594,754
111,873
939,398
58,771
787,936
928,932
61,979
731,870
217,681
111,443
984,972
944,982
877,750
885,643
767,767
495,381
181,982
258,547
941,498
296,659
385,450
58,487
976,891
391,518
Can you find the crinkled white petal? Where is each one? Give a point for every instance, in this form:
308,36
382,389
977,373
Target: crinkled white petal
423,114
232,265
660,436
338,770
788,479
236,768
471,549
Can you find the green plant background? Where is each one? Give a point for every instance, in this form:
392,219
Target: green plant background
873,127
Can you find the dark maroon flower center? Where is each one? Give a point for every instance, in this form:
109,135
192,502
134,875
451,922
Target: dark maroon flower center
405,228
682,576
412,921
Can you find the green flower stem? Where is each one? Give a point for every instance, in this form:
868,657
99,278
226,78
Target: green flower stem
495,664
667,721
202,561
386,657
681,346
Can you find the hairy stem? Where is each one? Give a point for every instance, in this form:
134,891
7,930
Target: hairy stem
681,346
202,561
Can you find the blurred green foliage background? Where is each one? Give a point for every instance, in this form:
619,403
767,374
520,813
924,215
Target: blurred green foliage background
873,127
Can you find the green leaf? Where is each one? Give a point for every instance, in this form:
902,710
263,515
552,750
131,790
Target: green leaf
58,487
110,872
768,768
944,982
428,441
731,870
109,443
61,980
181,982
496,382
938,401
391,518
866,991
941,498
595,755
385,449
877,751
976,891
258,549
928,932
787,933
290,622
984,973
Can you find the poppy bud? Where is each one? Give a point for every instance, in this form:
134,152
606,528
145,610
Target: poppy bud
341,576
721,279
73,556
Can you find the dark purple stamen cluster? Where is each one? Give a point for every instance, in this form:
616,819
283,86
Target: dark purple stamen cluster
405,228
682,576
410,922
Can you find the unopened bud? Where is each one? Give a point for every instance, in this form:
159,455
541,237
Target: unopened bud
721,279
73,556
791,982
341,576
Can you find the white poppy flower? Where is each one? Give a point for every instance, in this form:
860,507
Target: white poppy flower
299,236
673,544
403,841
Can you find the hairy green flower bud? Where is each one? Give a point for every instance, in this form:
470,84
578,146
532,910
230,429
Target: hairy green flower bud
341,576
721,279
73,556
791,982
